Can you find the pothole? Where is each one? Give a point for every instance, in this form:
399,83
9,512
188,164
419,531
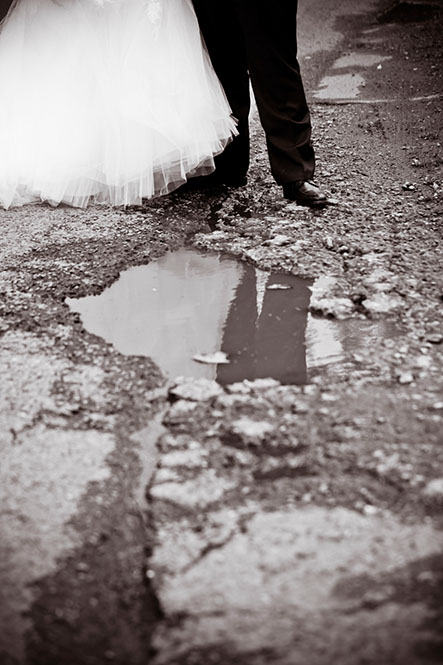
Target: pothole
410,12
189,304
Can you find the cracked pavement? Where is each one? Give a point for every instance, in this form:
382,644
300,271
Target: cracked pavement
256,523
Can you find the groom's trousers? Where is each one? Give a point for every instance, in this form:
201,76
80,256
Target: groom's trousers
256,40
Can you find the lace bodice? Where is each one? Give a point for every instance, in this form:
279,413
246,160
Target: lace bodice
154,10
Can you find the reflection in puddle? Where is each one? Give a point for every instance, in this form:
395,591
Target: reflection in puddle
329,341
190,303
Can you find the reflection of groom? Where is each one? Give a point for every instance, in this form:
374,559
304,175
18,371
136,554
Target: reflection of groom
256,40
264,334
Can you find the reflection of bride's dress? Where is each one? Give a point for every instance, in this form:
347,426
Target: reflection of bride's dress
105,101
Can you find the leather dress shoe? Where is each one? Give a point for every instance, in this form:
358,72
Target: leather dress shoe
305,192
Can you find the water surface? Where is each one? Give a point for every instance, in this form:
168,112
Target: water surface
189,303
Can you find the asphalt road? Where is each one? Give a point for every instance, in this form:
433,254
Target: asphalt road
266,524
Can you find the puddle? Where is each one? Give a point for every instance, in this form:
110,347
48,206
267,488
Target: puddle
359,60
329,342
410,12
347,86
340,86
190,303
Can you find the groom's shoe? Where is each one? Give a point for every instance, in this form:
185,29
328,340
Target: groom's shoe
306,193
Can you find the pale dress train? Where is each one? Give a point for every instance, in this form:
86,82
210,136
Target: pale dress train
105,101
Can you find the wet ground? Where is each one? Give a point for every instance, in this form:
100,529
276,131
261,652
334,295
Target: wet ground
150,518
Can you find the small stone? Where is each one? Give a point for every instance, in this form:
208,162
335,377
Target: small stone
228,401
262,384
375,598
329,397
339,308
435,339
166,475
201,491
278,241
239,388
197,390
381,303
405,378
179,412
292,207
252,430
369,510
192,458
388,464
434,490
422,362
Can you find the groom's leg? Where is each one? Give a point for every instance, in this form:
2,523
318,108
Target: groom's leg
270,35
225,42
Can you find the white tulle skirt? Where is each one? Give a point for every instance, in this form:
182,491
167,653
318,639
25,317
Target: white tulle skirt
108,101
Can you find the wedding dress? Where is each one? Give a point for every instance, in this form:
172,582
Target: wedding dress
105,101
